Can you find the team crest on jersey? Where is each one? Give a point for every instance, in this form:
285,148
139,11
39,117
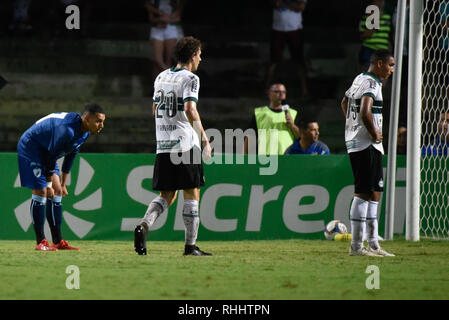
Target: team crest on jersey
381,183
372,84
37,172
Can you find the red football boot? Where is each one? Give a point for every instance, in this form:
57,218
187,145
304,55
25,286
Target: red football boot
45,246
63,245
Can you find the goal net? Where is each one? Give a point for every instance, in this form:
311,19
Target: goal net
434,211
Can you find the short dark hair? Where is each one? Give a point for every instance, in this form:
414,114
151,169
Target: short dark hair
304,124
93,108
186,48
380,54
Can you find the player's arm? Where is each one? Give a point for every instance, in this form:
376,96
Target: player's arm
65,170
344,105
367,117
64,177
291,125
194,119
154,109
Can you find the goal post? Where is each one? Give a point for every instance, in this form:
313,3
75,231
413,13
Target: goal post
413,171
394,120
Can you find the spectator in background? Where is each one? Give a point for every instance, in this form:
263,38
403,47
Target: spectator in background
402,140
287,30
277,115
375,39
20,16
440,145
308,143
165,19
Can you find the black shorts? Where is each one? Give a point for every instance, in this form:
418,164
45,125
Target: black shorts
178,171
367,169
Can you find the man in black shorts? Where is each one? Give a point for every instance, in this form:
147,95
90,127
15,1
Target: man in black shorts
362,107
179,135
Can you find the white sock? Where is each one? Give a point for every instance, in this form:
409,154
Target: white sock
155,209
191,220
371,224
359,208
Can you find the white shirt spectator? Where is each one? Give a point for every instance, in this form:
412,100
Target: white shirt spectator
287,20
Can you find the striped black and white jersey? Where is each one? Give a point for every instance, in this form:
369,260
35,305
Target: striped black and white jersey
357,137
172,88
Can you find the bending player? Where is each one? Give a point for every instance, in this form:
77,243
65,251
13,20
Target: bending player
179,131
362,107
55,136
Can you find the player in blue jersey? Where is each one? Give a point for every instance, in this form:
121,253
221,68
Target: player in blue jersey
308,142
54,136
440,145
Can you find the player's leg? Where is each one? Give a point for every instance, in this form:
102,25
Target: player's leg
359,206
32,176
371,220
54,210
155,209
37,209
373,203
191,219
54,214
358,213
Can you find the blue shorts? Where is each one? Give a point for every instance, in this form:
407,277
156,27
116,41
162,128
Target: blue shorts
32,173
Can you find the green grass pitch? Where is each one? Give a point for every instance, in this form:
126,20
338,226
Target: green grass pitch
268,270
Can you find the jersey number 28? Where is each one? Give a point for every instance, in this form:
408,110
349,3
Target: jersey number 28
165,102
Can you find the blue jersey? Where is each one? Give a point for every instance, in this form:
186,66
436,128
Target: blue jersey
317,147
52,137
438,148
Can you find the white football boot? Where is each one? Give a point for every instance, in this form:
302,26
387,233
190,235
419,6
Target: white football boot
363,252
380,251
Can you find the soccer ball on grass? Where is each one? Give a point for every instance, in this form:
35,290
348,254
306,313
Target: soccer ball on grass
335,228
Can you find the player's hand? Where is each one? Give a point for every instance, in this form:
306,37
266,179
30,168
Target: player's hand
207,151
50,192
288,118
64,191
378,137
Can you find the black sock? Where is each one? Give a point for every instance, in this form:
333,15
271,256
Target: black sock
54,218
38,214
